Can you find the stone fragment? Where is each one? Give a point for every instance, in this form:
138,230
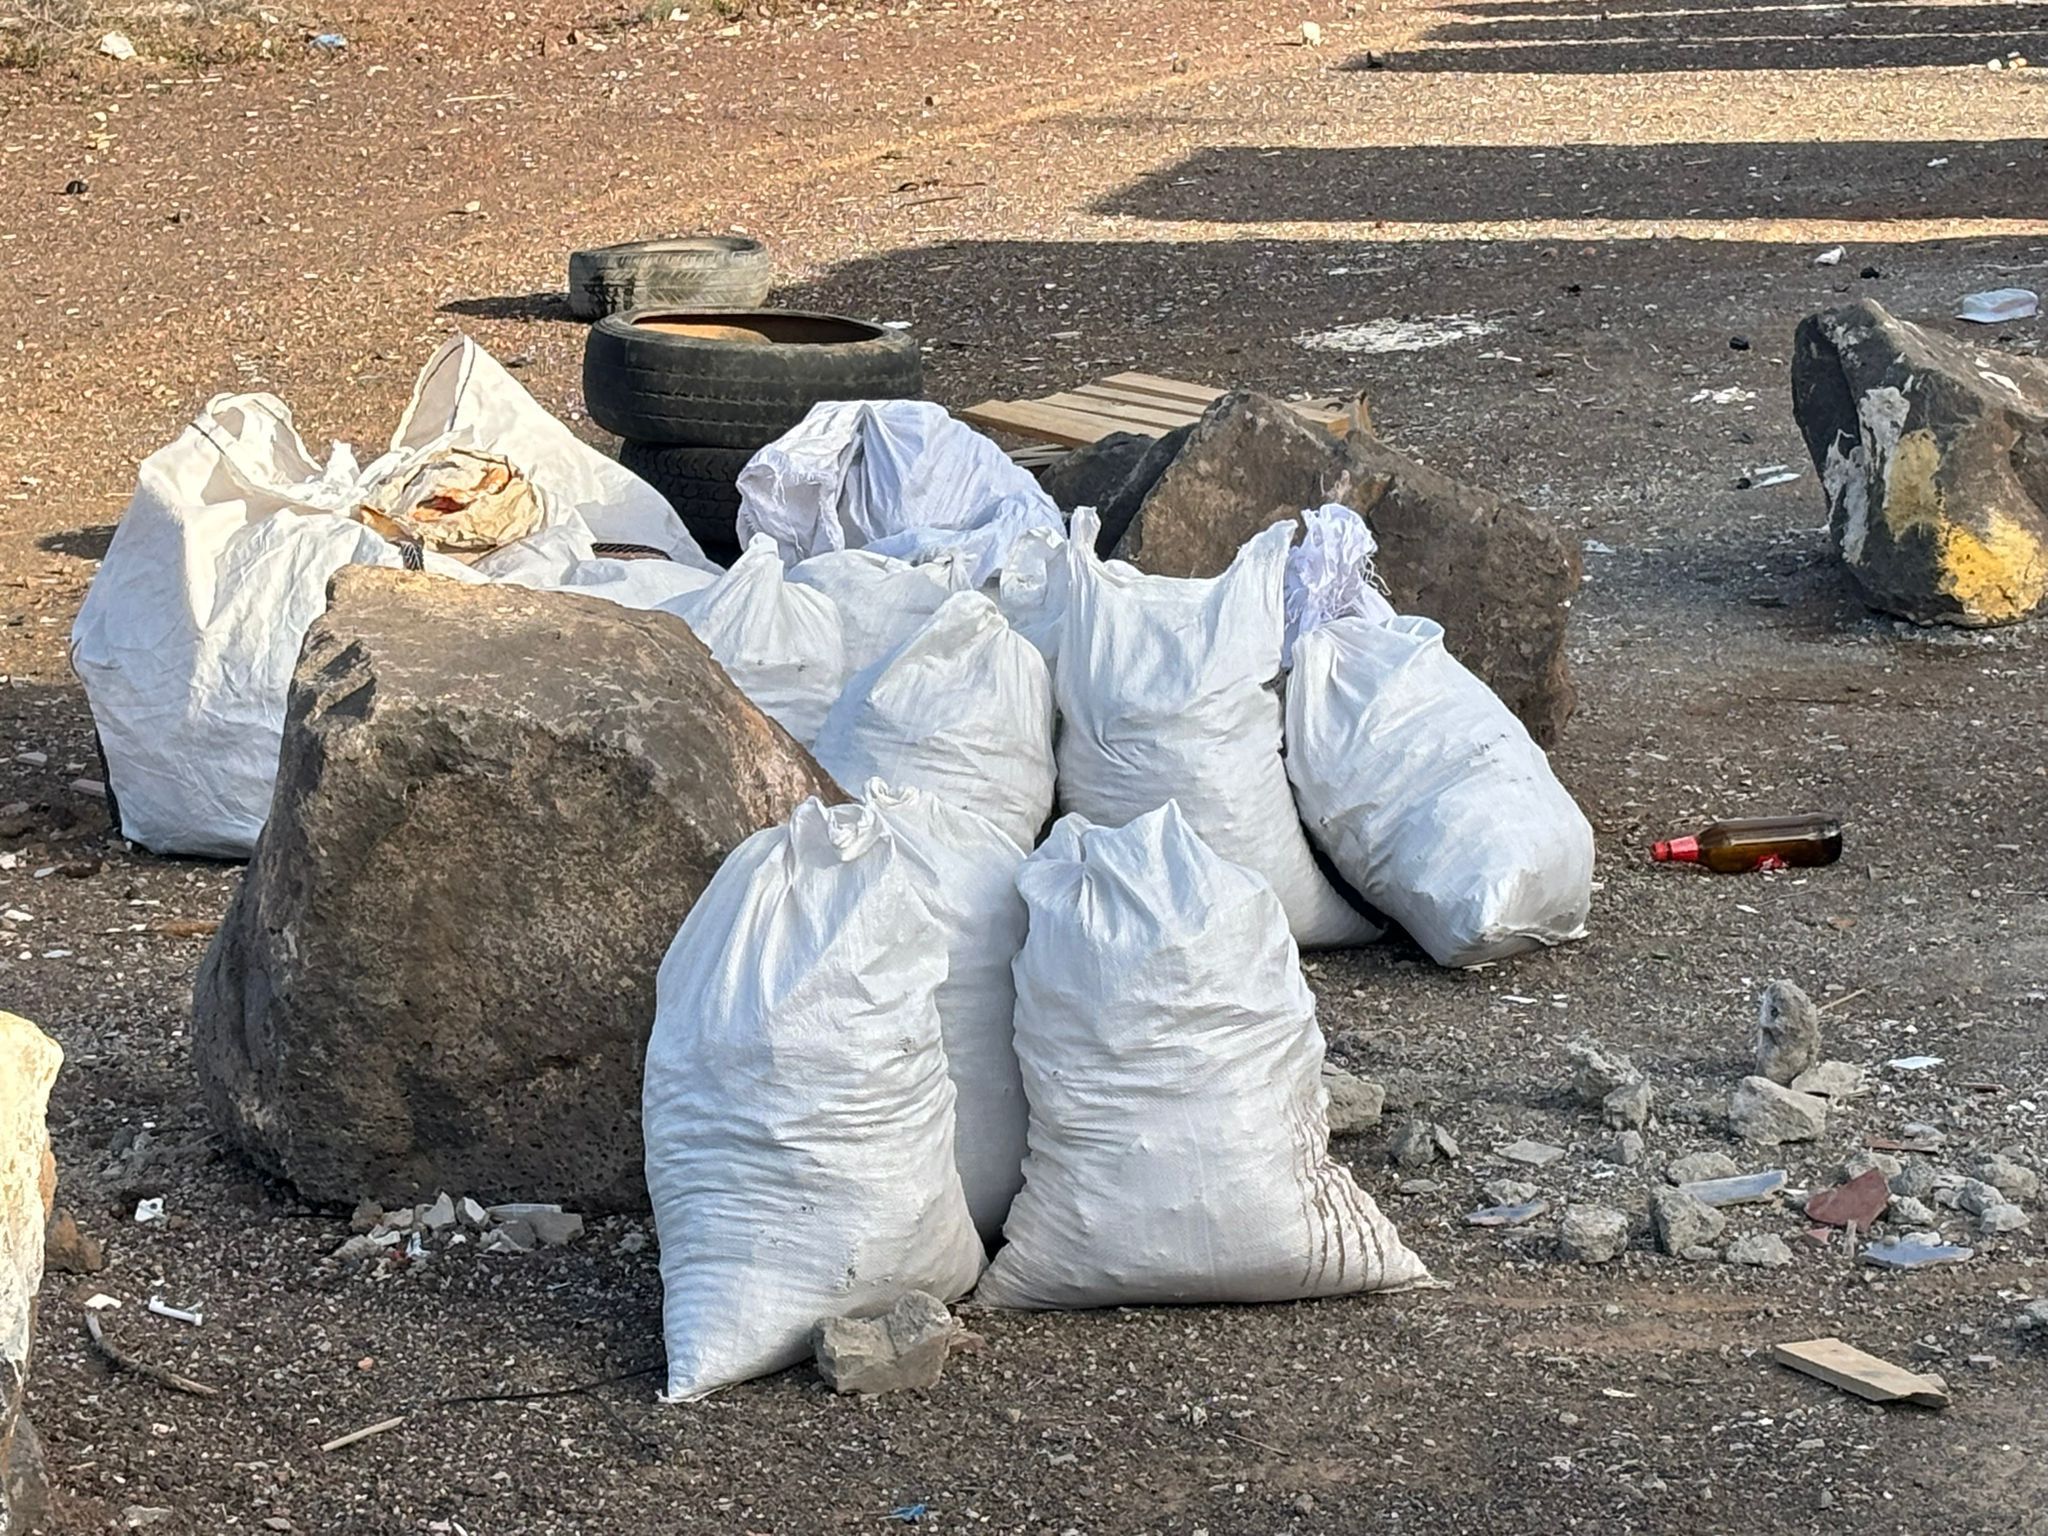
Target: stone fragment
1787,1032
1833,1080
903,1349
1929,450
1532,1154
2017,1182
1763,1112
2002,1217
451,899
1863,1162
439,1216
1696,1167
1626,1150
69,1251
367,1217
555,1229
1598,1072
1355,1102
28,1186
1508,1191
1762,1250
1905,1211
1500,580
1917,1180
1627,1108
1592,1234
1413,1144
2033,1318
1972,1195
471,1214
1682,1222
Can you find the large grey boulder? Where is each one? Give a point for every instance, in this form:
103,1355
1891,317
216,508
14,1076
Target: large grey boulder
1498,579
494,807
1933,454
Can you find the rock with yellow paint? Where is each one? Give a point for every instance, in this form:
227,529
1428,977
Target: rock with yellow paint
28,1183
1933,453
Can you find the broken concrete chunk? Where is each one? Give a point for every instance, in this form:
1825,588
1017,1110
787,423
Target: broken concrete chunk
1413,1144
439,1216
2033,1318
1930,452
1787,1032
1905,1211
1355,1102
1972,1195
905,1348
2002,1217
1508,1191
1863,1162
2017,1182
1598,1072
69,1251
1833,1080
442,899
1626,1149
368,1217
1683,1223
1760,1250
1697,1167
509,1237
1768,1114
555,1229
1627,1108
1917,1180
471,1214
1497,578
1532,1154
1592,1234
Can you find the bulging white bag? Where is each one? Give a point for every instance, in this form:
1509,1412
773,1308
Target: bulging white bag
882,601
781,643
1429,796
967,869
797,1109
1165,693
1171,1059
188,636
1032,590
856,472
962,708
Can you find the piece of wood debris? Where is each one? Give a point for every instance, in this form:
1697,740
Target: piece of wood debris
121,1360
1845,1366
364,1433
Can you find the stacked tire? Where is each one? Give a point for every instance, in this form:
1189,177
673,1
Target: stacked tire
695,393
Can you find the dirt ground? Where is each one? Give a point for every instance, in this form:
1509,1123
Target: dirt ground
1050,190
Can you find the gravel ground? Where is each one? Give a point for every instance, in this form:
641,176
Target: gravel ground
1601,206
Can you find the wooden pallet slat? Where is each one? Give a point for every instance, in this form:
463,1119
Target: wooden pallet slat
1134,402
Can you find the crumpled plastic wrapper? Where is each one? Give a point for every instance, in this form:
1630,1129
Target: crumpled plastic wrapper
460,502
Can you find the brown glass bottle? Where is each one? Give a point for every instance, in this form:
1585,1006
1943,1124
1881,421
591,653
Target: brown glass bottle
1763,842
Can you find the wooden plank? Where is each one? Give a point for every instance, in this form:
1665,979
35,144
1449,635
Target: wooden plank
1027,418
1197,395
1845,1366
1158,404
1128,418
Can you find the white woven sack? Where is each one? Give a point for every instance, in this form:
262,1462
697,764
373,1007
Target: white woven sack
1165,691
781,643
967,870
962,708
1429,795
882,602
797,1109
1178,1141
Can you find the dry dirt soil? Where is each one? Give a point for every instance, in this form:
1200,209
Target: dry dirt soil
1607,202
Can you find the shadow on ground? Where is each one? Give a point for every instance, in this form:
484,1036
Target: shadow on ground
1644,36
1914,179
512,306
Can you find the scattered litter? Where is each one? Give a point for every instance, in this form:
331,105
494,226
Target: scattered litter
1772,474
1534,1154
1734,394
1913,1063
364,1433
1507,1215
1311,35
908,1514
1916,1250
100,1301
328,42
1741,1189
1416,334
1754,843
115,45
1856,1204
1830,258
175,1314
1997,305
150,1210
1903,1144
1845,1366
1760,1250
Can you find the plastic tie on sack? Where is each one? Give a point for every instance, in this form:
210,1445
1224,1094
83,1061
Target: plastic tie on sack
1330,575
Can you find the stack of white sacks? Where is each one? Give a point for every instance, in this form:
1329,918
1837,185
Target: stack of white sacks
894,1035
